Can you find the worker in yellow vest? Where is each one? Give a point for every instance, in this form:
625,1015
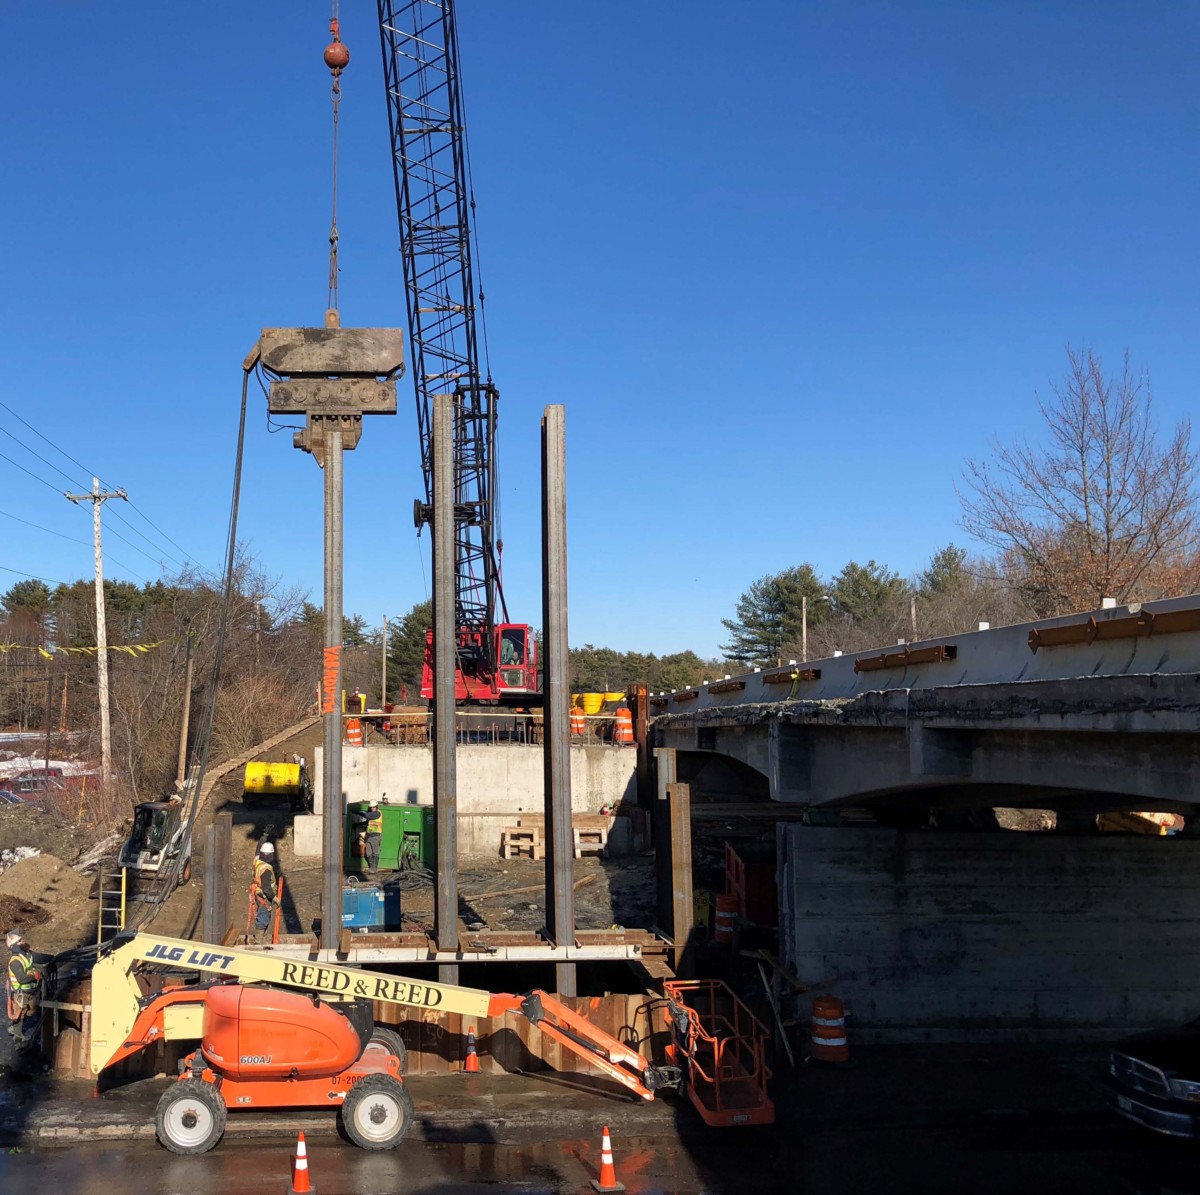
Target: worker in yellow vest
368,825
23,981
264,888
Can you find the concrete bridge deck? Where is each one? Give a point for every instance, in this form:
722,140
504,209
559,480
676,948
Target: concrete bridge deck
1082,713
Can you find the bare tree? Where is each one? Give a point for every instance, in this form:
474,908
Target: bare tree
1104,510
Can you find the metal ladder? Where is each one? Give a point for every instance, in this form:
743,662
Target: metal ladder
111,890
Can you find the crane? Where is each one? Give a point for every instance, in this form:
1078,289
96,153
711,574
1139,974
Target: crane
435,206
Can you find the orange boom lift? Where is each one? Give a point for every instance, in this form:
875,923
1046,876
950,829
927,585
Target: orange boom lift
275,1032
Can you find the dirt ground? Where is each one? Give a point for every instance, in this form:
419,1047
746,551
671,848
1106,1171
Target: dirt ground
499,894
42,894
46,897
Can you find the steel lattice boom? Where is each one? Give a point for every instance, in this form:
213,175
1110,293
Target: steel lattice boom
420,65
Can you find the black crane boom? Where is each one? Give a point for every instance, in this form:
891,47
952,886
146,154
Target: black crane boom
435,208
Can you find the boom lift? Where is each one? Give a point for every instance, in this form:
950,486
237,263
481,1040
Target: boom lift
435,204
285,1033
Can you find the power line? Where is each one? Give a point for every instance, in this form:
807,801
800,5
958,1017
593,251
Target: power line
31,576
30,472
91,473
32,452
47,530
134,506
71,539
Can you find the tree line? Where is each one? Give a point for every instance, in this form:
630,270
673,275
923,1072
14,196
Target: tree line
1104,507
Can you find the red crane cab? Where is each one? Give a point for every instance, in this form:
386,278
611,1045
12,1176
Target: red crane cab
514,679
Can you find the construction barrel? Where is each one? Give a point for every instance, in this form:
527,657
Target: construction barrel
623,730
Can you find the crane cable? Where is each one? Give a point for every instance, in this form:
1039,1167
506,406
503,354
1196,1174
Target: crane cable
337,58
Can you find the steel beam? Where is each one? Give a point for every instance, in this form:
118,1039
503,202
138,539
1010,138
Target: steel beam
639,698
445,658
560,844
332,805
665,769
218,850
679,799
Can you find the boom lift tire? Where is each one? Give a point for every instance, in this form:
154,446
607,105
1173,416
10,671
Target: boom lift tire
377,1112
190,1118
391,1041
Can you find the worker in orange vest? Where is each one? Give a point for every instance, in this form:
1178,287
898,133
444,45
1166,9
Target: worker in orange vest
264,888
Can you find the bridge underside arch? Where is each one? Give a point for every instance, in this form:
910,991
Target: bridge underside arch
916,767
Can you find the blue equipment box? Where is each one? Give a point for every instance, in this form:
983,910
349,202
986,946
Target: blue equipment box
370,906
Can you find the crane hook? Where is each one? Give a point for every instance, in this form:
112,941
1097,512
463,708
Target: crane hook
337,57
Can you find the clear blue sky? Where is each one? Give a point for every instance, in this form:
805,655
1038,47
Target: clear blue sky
786,264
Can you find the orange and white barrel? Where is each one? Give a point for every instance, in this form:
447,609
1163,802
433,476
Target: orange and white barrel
623,731
578,722
354,732
723,919
828,1034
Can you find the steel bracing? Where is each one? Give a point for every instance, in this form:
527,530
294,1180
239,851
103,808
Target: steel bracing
434,203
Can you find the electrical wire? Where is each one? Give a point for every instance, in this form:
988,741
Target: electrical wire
90,473
17,464
31,576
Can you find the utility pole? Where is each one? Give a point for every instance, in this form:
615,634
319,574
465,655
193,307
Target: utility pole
383,669
97,498
181,772
804,628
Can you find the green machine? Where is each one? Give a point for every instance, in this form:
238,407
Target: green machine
409,837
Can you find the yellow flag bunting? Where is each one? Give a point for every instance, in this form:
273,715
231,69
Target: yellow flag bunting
130,649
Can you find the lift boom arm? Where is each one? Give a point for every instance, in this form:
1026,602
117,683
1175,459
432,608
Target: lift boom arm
125,1020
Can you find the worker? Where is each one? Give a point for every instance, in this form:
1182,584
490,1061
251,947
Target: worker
264,888
368,824
24,979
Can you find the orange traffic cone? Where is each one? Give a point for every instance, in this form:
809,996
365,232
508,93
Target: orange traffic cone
608,1174
300,1183
471,1065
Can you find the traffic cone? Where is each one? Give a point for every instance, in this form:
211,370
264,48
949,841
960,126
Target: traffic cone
300,1183
608,1174
471,1065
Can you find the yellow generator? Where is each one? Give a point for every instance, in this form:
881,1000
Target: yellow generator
264,779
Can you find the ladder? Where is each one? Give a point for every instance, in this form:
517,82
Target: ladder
111,881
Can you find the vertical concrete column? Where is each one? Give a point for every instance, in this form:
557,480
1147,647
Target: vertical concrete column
218,850
332,805
664,761
679,799
560,842
445,659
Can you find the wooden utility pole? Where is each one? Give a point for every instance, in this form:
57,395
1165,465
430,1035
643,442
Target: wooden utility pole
97,498
181,773
383,668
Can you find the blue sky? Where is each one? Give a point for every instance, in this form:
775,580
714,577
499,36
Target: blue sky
786,264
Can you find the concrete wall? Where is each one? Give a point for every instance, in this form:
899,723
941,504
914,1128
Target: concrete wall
993,936
496,783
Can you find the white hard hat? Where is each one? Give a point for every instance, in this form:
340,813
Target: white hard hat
13,937
266,849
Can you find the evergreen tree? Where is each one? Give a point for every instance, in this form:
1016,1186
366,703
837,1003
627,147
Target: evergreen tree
864,591
406,650
947,572
770,612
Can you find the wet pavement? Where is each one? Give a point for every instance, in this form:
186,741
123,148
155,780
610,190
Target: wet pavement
926,1119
